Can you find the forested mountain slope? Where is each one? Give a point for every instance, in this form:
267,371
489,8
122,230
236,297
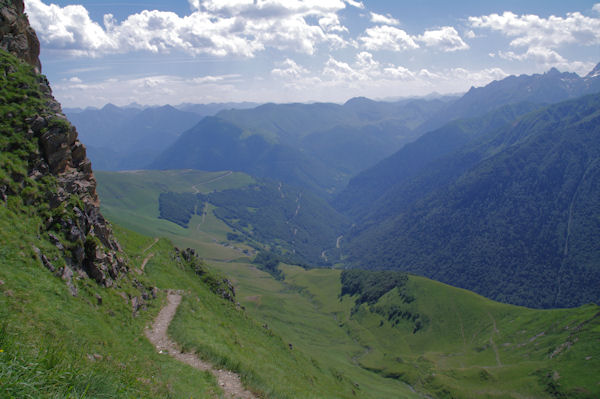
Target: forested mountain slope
361,198
129,138
547,88
308,145
513,217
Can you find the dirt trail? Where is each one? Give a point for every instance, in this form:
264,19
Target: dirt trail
228,381
151,245
146,259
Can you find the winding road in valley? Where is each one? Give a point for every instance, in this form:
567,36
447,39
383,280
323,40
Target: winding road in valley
228,381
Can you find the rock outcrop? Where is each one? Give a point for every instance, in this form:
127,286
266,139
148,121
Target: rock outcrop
87,239
16,36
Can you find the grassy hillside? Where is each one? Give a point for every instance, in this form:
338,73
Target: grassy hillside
288,220
93,345
468,346
56,345
131,198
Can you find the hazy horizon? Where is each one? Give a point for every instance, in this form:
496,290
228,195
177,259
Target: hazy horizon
214,51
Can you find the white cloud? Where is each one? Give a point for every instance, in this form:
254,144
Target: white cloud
387,38
534,31
540,38
289,70
150,90
341,72
399,73
547,58
446,38
336,80
596,7
215,79
69,28
384,19
357,4
424,73
478,77
470,34
216,27
365,61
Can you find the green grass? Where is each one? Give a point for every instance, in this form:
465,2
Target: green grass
452,356
55,345
131,199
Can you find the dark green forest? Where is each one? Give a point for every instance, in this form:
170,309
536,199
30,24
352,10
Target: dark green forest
509,216
301,227
179,207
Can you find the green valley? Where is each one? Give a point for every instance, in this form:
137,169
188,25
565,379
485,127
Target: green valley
467,345
268,271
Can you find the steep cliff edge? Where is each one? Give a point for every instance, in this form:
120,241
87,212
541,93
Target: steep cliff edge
16,36
43,166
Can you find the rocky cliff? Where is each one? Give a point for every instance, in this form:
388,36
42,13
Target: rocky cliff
16,36
42,161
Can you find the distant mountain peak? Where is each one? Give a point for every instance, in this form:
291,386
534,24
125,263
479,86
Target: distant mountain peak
594,73
110,107
358,100
553,72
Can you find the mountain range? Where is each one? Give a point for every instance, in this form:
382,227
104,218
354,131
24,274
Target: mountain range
504,205
505,202
317,146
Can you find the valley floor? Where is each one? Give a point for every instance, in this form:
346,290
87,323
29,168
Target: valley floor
469,346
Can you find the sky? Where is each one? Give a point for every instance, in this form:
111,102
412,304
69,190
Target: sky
156,52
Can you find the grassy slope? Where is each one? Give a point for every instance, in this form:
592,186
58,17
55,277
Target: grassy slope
49,338
55,345
206,236
131,199
453,356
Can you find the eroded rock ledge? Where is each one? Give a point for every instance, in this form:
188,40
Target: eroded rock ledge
84,235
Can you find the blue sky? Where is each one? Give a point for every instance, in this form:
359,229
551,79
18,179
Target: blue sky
155,52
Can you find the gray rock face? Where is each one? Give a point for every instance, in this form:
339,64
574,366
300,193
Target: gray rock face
16,36
92,246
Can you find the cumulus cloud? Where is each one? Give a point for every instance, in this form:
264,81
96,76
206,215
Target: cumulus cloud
387,38
384,19
536,39
289,70
446,38
367,76
69,28
596,7
548,58
399,73
216,27
334,80
535,31
365,73
470,34
357,4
